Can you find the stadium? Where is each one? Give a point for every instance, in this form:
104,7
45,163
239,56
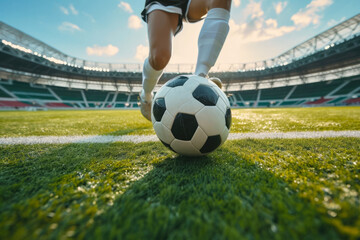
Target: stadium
78,161
323,71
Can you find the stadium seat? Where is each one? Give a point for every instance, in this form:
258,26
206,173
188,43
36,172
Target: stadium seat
248,95
57,105
68,94
352,101
122,97
95,95
351,86
13,104
315,90
319,101
278,93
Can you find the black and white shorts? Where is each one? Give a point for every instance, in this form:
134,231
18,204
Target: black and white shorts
180,7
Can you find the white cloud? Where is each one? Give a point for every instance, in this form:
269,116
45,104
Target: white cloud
64,10
319,3
126,7
69,27
134,22
257,28
311,14
108,50
279,7
73,10
253,9
70,10
142,52
237,3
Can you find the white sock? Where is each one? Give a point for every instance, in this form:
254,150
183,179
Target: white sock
211,39
150,77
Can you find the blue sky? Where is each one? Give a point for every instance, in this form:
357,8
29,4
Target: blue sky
111,30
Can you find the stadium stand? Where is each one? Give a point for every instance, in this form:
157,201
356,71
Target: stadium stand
319,101
324,70
95,96
313,90
275,93
25,91
353,101
248,95
57,105
350,87
134,98
122,97
4,94
305,94
13,104
68,94
337,100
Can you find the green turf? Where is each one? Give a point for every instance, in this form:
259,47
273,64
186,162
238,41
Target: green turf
248,189
120,122
296,119
77,122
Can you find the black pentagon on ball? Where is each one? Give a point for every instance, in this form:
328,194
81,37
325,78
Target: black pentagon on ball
212,143
159,108
206,95
178,81
228,118
184,126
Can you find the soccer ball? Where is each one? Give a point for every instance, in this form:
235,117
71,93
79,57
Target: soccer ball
191,115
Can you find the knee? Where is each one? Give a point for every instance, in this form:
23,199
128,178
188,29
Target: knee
159,58
226,4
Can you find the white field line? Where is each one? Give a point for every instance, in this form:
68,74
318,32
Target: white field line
153,138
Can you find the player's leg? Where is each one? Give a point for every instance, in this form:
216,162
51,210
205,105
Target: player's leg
213,33
161,28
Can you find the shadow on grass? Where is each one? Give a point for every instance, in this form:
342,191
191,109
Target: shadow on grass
143,191
221,196
53,191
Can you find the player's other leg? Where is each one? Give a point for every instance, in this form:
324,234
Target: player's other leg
161,29
213,32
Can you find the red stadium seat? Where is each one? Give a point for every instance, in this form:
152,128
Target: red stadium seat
13,104
57,105
352,100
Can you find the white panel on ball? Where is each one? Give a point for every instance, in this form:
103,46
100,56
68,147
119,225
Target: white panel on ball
175,98
185,148
191,107
205,81
191,85
224,135
199,138
211,120
163,133
162,92
221,105
167,119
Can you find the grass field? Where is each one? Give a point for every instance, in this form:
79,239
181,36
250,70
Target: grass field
247,189
69,123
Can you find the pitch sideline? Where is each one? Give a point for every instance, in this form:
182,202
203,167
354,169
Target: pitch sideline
152,138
